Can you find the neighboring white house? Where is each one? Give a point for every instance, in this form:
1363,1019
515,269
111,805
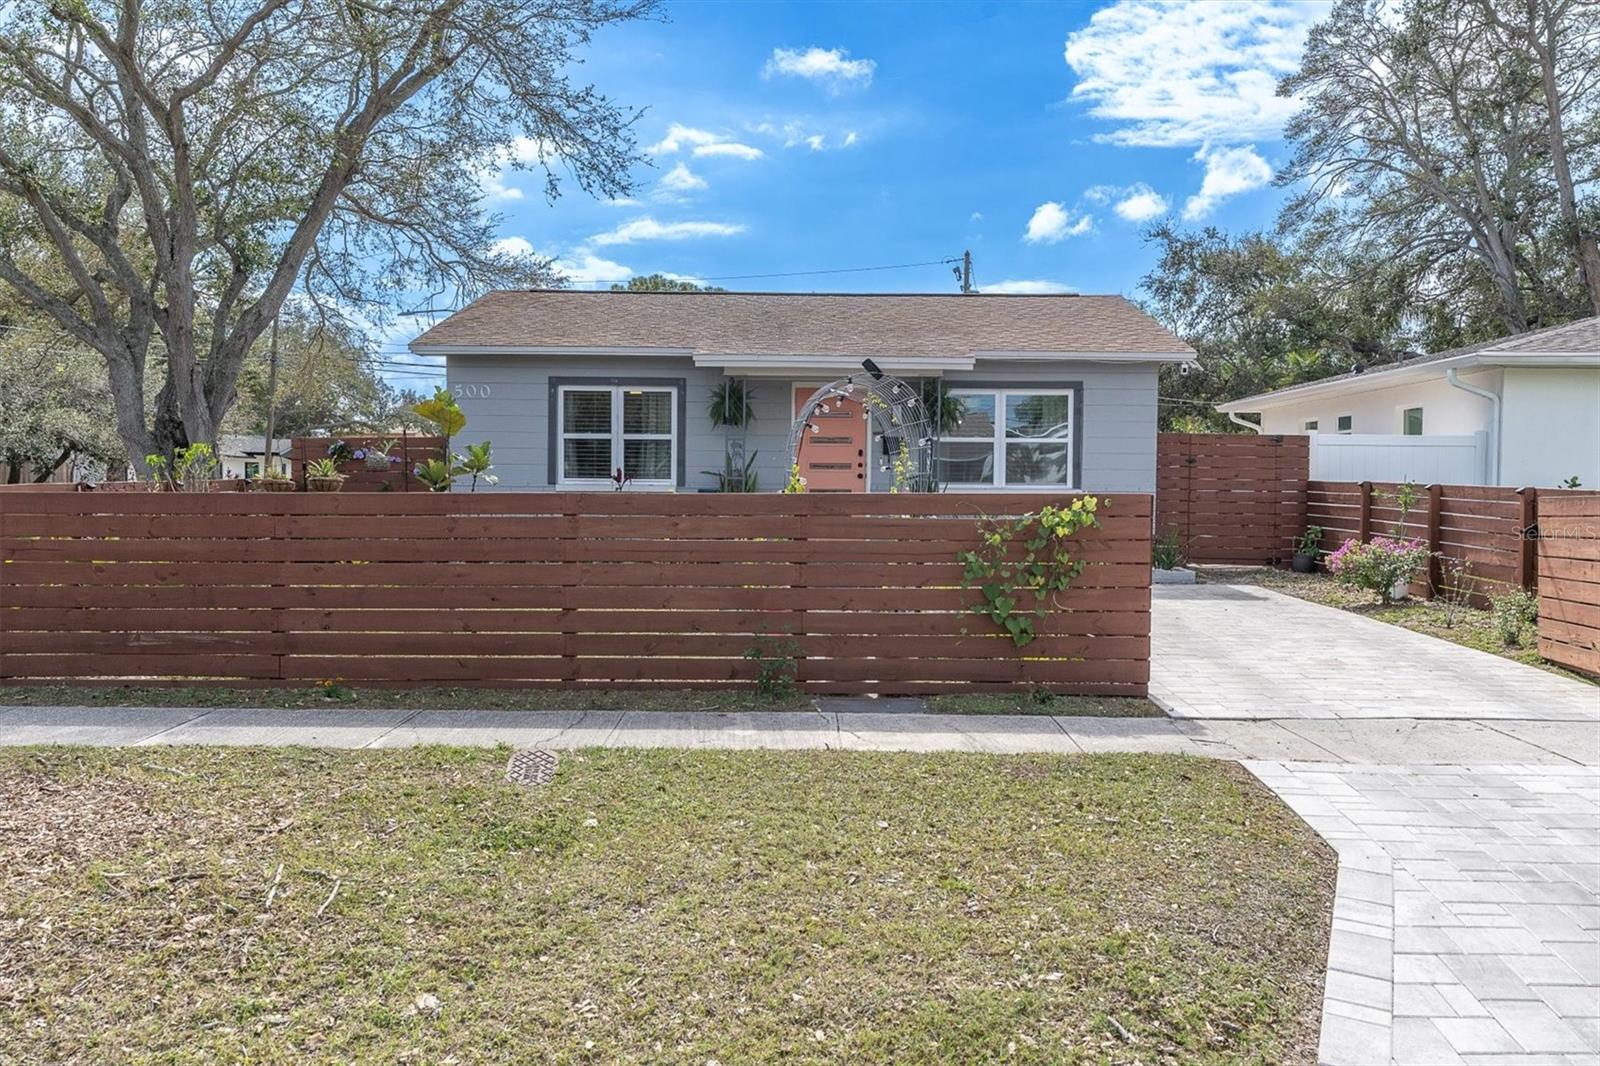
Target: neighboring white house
240,454
1524,410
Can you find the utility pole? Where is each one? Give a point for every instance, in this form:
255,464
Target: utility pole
268,459
966,273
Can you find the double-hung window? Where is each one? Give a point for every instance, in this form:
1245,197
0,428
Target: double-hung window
606,428
1008,438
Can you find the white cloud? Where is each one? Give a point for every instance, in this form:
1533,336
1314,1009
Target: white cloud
1229,172
800,135
1051,223
1184,73
977,216
493,184
728,148
1027,287
702,143
648,229
586,268
1140,203
829,67
680,179
516,246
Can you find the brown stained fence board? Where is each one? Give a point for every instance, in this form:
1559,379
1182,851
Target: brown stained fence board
1231,498
547,589
732,644
1568,572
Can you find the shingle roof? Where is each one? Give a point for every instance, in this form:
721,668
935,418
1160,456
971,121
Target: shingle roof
1575,338
1582,336
802,324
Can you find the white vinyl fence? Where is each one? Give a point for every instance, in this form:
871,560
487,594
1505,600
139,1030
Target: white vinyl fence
1454,460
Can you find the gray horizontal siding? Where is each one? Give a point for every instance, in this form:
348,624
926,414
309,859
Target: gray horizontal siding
1119,415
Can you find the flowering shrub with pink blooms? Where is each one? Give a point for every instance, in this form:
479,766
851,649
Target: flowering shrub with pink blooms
1378,565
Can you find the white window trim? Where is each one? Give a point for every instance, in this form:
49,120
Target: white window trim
999,440
616,436
1352,428
1311,425
1406,409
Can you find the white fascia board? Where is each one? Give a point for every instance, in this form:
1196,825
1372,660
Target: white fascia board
772,364
1369,381
1087,357
522,349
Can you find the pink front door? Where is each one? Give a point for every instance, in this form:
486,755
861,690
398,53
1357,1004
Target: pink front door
834,458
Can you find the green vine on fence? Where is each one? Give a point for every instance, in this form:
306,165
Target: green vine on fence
1045,568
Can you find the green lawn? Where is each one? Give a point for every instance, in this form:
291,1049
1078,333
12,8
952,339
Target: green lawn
234,905
1466,626
512,699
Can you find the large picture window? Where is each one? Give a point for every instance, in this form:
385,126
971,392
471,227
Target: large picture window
605,427
1009,438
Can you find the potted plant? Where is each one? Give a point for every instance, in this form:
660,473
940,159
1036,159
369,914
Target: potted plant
322,475
378,456
273,479
732,404
1306,550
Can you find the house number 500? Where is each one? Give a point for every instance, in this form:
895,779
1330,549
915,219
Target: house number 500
470,392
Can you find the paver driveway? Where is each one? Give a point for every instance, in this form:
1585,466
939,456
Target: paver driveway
1237,651
1466,922
1466,926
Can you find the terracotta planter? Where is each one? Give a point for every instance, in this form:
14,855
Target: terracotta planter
324,484
272,484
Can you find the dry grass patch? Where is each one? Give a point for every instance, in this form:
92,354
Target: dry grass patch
653,906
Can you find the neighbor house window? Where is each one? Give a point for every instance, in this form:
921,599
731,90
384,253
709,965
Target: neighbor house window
1311,426
1345,423
1009,437
607,427
251,471
1411,422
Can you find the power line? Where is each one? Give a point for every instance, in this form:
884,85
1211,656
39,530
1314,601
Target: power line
832,270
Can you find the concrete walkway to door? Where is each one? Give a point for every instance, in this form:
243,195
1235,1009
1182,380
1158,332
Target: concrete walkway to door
1238,651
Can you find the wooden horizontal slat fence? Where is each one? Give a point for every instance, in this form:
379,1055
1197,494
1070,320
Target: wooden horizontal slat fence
396,477
548,589
1491,528
1231,497
1569,581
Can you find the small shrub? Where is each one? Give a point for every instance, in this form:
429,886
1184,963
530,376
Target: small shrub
777,667
1167,552
1515,612
1309,542
1378,565
1455,596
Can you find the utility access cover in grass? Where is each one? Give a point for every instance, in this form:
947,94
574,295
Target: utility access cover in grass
531,766
230,905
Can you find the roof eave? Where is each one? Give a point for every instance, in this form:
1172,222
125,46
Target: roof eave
1359,383
536,349
1183,356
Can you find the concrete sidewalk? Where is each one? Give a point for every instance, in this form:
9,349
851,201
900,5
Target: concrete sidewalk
1422,742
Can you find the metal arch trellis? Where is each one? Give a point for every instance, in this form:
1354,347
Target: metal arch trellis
898,415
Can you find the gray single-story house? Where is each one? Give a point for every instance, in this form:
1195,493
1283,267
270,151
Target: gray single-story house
1051,392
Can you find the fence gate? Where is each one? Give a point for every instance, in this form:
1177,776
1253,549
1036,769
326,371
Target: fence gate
1231,497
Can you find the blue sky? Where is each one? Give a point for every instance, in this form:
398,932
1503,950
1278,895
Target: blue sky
811,136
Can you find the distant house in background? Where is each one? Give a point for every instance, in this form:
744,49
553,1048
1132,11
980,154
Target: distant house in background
1520,411
241,454
1056,392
